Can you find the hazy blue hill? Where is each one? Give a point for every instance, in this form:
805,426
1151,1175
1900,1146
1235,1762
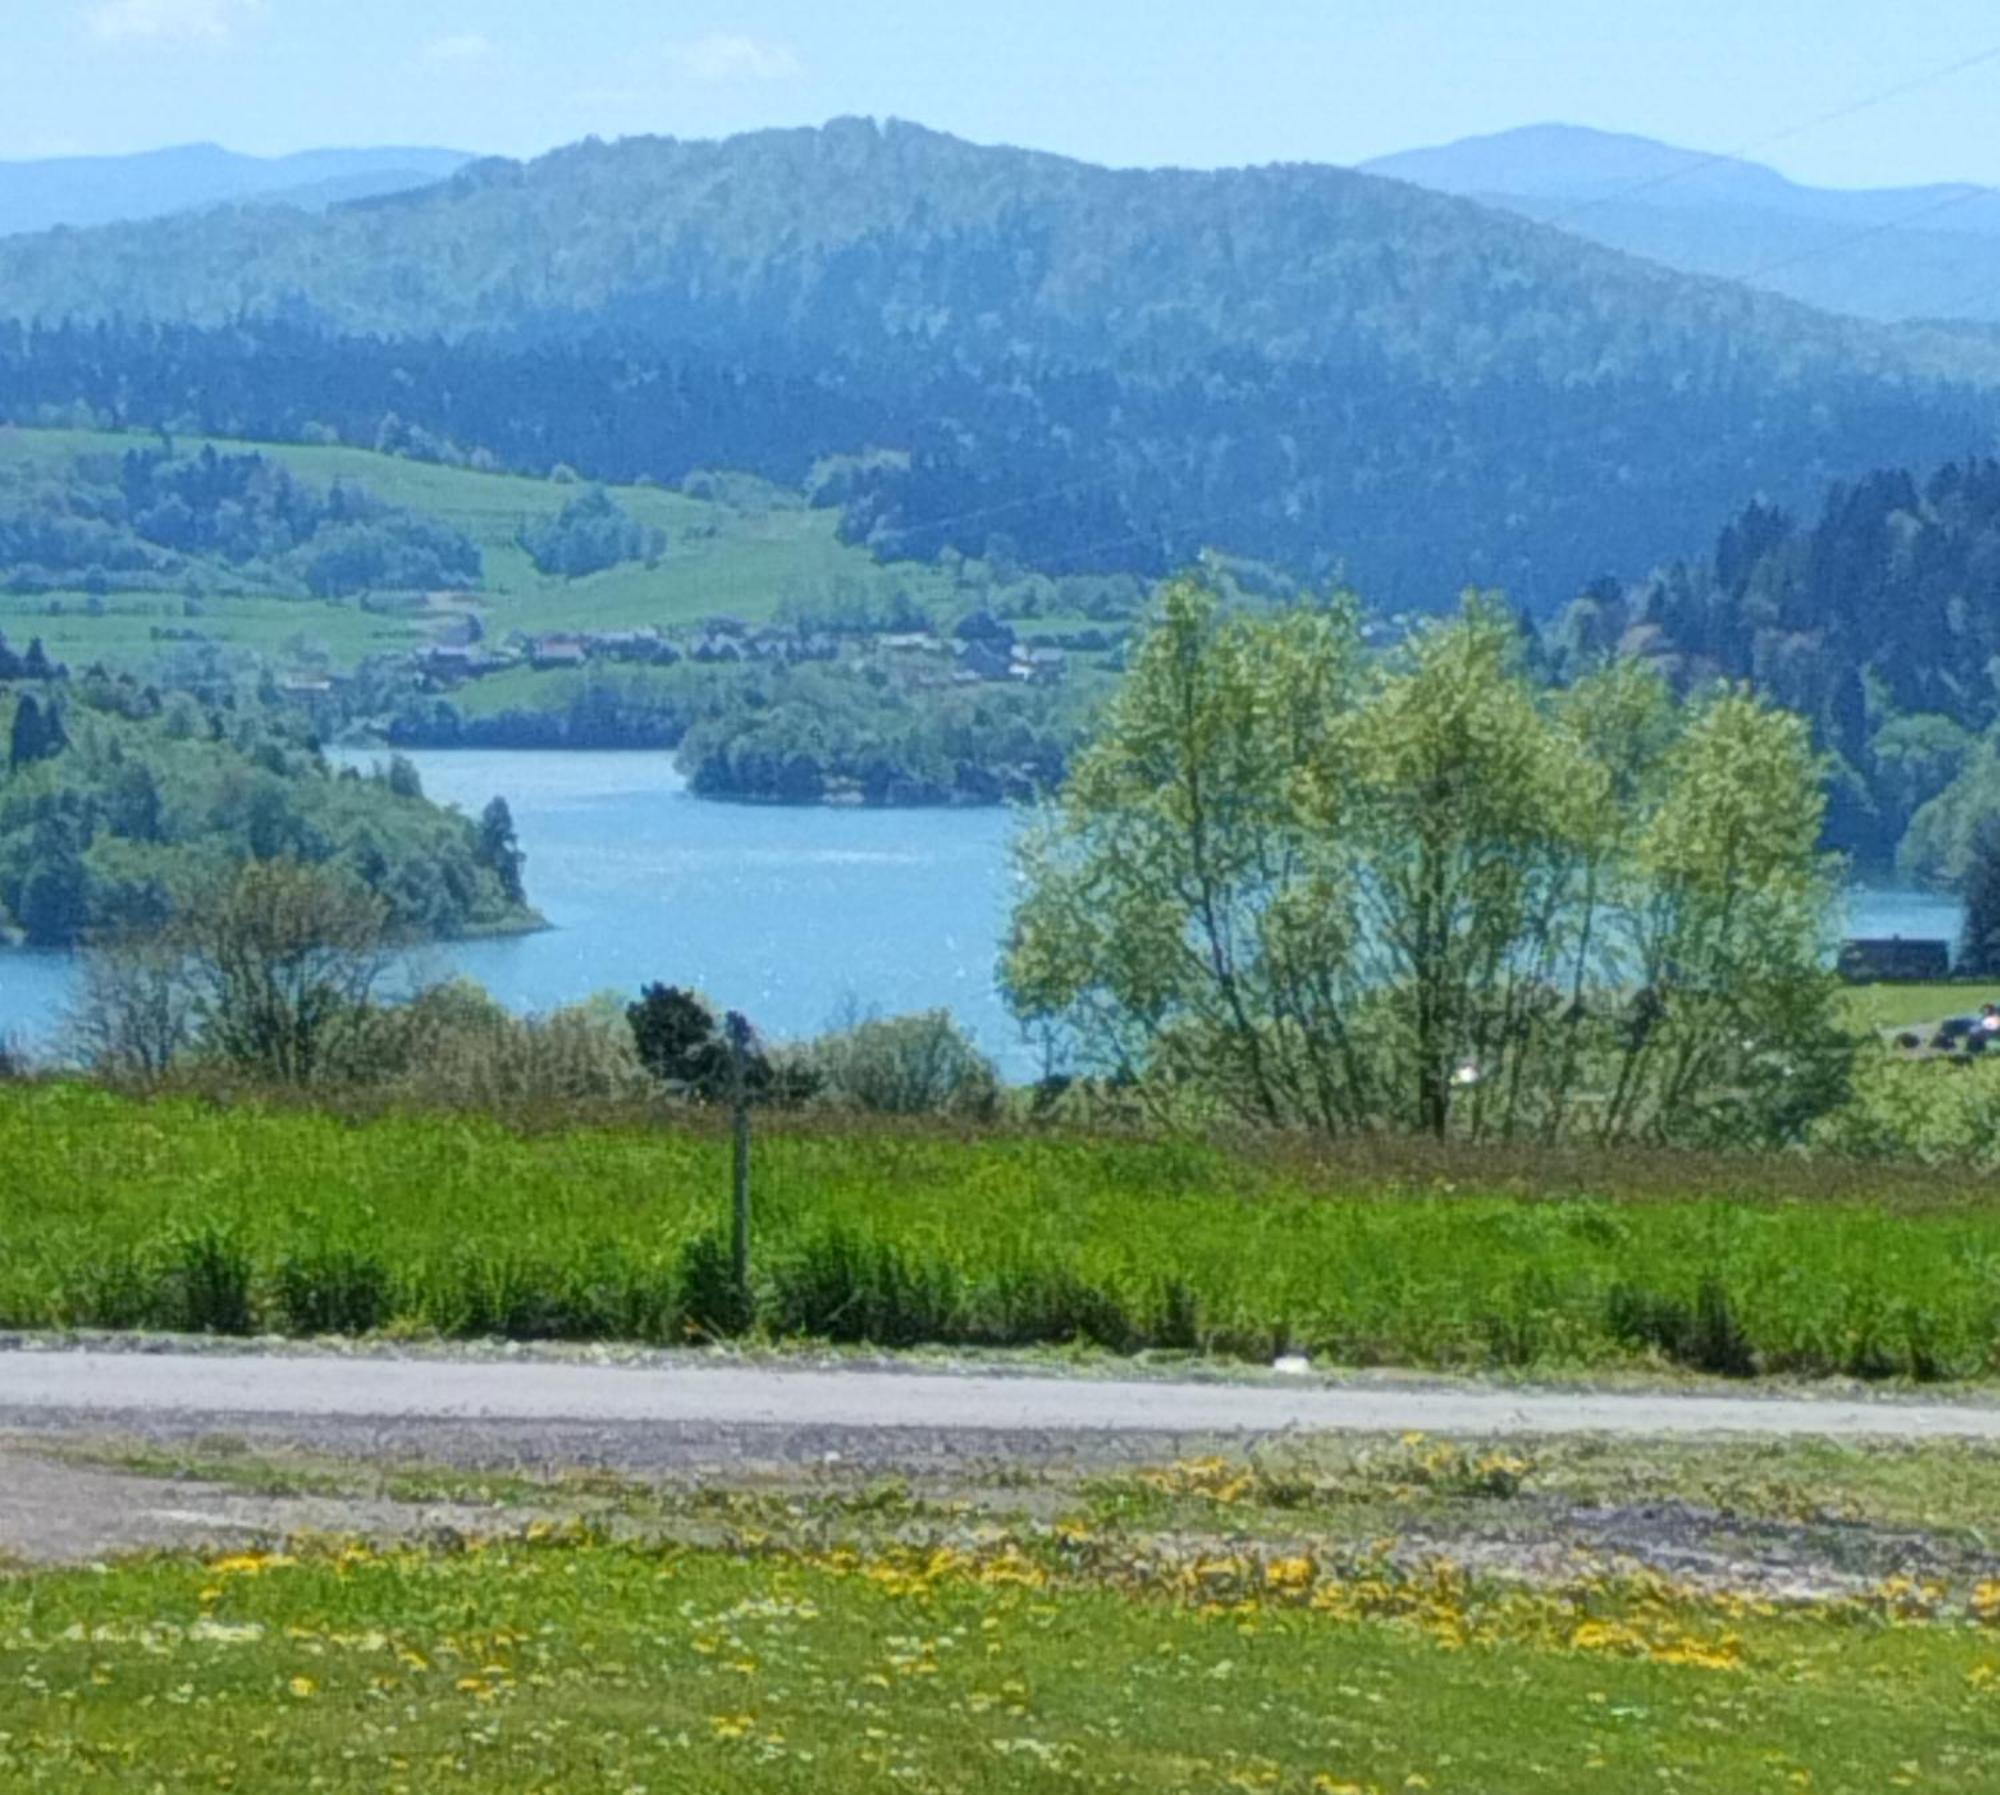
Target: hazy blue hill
1069,365
898,234
82,191
1889,254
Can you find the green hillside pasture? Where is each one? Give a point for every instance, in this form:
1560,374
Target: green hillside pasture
127,630
742,559
183,1216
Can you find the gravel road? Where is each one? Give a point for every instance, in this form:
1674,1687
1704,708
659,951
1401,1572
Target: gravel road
54,1389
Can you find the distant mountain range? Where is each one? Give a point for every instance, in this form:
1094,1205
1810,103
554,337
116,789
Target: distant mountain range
1889,253
1010,354
80,191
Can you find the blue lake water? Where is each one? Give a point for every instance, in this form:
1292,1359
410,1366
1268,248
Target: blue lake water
796,917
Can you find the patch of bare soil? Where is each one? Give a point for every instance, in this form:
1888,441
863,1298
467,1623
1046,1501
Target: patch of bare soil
54,1512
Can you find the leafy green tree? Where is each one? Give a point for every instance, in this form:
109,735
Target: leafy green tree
283,960
1469,805
1729,931
55,900
134,807
1310,888
1187,914
134,1016
588,535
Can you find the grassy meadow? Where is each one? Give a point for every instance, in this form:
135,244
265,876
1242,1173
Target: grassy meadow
1916,1006
197,1216
742,557
922,1647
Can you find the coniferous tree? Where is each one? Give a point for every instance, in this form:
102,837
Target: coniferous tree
29,741
1979,946
55,900
500,850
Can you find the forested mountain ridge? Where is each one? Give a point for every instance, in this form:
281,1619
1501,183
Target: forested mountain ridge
965,347
828,238
1878,620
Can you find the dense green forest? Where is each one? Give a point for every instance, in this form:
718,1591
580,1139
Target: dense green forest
782,734
120,804
1000,352
1879,621
152,520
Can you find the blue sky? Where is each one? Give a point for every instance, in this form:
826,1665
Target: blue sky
1121,81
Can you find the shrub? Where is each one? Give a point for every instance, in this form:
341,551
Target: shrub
1176,1318
676,1038
206,1283
1705,1337
461,1050
332,1290
839,1287
509,1295
1028,1305
908,1066
711,1304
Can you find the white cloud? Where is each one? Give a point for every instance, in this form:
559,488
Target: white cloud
169,21
729,56
465,46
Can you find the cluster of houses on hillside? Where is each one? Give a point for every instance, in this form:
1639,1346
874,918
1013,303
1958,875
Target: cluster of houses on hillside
982,650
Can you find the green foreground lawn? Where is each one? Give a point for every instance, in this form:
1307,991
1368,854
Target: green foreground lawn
1064,1661
193,1216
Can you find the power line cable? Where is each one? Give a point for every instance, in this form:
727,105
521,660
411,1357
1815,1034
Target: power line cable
1862,234
937,526
1719,158
942,525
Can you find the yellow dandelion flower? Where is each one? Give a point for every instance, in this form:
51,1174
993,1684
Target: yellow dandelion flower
304,1688
1290,1574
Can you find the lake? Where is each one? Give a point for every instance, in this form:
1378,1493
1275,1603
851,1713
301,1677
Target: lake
798,917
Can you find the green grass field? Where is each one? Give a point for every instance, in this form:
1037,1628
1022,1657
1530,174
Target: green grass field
929,1653
189,1216
1914,1006
742,559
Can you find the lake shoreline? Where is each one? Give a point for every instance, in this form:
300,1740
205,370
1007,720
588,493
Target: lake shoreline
797,915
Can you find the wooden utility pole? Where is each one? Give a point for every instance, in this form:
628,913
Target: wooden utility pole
738,1029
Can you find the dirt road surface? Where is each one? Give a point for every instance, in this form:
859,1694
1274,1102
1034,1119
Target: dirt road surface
147,1444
